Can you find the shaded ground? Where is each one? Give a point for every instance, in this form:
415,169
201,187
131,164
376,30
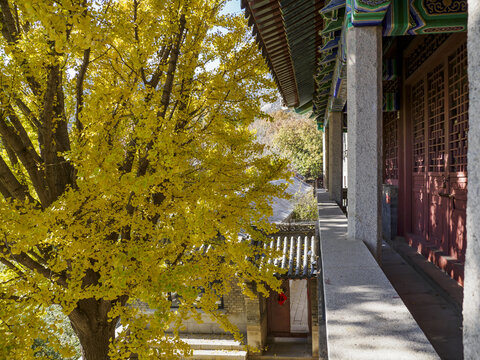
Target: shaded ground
440,319
287,348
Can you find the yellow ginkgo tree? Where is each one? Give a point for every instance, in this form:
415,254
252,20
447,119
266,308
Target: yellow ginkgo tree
125,153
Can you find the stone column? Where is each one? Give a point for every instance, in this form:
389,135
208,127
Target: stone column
364,104
471,299
335,158
326,175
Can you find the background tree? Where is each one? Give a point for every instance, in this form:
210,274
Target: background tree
305,207
294,137
301,142
124,147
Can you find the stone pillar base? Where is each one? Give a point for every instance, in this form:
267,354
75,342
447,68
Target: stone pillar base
315,341
257,335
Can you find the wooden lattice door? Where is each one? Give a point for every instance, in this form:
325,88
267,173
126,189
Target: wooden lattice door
458,145
437,183
439,123
418,172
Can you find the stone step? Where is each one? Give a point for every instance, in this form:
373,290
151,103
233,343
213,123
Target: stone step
213,344
281,357
218,355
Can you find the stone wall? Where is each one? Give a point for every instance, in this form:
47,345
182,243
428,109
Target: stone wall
233,302
233,306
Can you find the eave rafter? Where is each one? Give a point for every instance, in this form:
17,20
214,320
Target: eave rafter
268,28
288,34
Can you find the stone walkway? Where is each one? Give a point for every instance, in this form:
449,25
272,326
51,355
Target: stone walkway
439,319
365,317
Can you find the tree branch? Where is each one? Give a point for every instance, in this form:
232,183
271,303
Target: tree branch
11,266
167,91
14,163
25,260
61,125
10,33
172,66
4,191
79,87
27,112
9,29
129,156
11,184
157,74
47,121
28,161
22,133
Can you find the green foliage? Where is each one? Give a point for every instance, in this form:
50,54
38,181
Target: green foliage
305,207
301,143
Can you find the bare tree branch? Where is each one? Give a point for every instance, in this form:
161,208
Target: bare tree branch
10,153
61,125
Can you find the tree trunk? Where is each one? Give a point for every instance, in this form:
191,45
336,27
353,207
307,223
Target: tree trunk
93,328
95,345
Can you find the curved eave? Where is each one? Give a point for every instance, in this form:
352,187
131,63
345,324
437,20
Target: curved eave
288,34
266,20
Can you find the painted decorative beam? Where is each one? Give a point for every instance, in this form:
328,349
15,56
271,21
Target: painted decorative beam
368,12
417,17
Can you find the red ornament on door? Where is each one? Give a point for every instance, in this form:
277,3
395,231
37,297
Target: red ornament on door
282,298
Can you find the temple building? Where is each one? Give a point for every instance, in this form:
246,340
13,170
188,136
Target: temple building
402,80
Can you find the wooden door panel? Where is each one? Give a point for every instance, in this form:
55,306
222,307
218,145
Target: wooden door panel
418,204
418,219
436,222
278,315
458,232
438,207
458,229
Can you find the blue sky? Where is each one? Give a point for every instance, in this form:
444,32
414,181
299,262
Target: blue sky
232,7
